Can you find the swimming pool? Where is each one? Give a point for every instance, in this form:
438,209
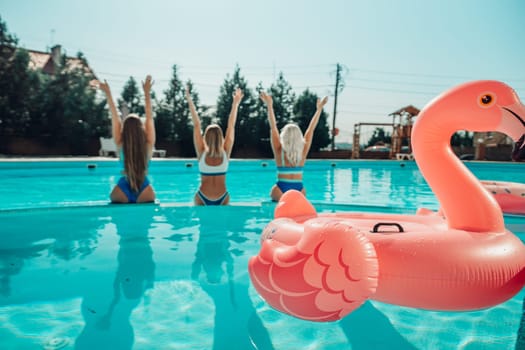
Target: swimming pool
30,184
78,273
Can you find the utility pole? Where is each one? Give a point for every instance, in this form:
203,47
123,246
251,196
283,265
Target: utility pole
337,79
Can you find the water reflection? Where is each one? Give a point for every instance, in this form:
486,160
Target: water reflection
237,325
520,337
516,224
107,315
356,327
29,235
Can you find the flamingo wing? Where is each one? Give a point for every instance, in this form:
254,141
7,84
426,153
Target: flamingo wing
329,272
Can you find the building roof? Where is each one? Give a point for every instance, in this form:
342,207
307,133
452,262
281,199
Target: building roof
38,60
411,110
45,61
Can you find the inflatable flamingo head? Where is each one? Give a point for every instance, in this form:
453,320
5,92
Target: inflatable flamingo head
481,106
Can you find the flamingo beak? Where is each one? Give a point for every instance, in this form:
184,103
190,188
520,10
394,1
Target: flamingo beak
515,125
518,153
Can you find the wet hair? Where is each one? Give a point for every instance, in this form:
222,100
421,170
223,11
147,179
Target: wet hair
214,140
135,151
292,142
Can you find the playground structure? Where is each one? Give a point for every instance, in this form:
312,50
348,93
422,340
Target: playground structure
401,129
486,145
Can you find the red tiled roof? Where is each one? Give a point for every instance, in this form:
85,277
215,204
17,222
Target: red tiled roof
37,60
44,61
411,110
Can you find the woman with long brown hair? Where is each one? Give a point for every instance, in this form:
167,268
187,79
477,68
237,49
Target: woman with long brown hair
135,142
213,152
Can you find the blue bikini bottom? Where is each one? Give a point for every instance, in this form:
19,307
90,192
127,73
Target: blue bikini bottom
208,201
290,185
124,185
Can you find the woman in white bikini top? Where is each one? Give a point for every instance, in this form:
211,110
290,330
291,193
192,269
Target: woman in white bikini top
213,151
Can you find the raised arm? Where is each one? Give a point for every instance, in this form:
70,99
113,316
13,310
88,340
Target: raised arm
198,142
309,134
149,126
116,123
274,131
229,138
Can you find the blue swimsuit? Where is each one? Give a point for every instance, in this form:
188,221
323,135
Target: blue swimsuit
124,185
208,201
289,184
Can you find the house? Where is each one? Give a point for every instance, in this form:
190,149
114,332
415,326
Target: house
49,61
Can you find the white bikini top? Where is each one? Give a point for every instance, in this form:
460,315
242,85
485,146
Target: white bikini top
213,170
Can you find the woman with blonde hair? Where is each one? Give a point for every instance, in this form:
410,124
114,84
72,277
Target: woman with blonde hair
213,152
135,143
290,149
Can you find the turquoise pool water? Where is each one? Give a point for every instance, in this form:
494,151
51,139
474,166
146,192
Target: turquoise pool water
76,273
378,183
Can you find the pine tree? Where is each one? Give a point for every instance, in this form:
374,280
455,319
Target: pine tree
70,112
246,134
131,99
173,121
19,87
304,108
379,135
262,127
283,101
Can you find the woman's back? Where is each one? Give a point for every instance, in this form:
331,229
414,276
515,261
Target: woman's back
213,151
290,149
213,174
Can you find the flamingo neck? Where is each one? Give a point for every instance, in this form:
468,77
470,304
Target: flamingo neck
465,203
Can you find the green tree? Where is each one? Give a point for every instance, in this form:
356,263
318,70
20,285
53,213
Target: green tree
19,86
304,108
70,112
261,127
283,101
246,118
55,109
379,135
170,108
462,138
131,99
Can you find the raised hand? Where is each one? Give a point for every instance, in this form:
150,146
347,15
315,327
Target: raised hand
321,103
187,93
146,85
237,96
104,86
266,98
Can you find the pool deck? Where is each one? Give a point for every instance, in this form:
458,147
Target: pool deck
74,159
28,159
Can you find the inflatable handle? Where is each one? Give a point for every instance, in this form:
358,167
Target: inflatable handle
379,224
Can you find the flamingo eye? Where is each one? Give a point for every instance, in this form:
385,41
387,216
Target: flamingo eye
486,100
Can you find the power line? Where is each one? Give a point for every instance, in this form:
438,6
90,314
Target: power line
399,82
393,90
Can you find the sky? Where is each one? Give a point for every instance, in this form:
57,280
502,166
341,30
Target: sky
393,53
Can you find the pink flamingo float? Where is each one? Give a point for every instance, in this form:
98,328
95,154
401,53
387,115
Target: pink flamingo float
509,195
320,267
